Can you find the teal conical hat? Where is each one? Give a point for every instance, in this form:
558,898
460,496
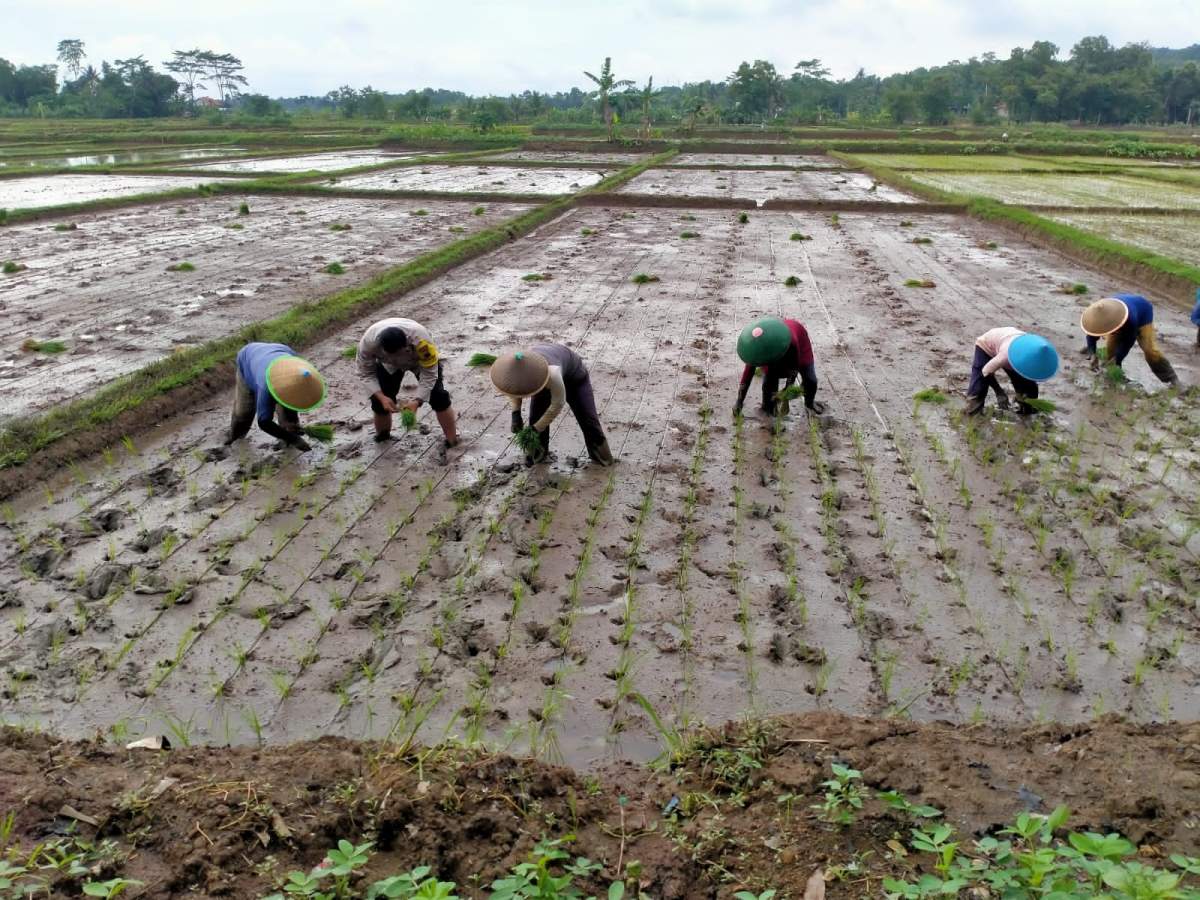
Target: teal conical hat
764,341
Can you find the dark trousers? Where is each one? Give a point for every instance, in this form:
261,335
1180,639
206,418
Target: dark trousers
583,404
808,381
389,384
245,405
980,383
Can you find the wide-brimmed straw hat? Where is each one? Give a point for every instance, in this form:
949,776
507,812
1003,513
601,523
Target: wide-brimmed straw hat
1033,357
764,341
520,374
1104,317
295,383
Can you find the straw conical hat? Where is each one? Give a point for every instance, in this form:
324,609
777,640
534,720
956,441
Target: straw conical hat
295,383
1104,317
764,341
520,374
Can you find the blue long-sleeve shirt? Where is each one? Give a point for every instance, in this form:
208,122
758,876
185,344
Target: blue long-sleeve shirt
253,360
1196,310
1141,312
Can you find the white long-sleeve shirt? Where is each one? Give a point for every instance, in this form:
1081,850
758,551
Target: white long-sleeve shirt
558,399
995,343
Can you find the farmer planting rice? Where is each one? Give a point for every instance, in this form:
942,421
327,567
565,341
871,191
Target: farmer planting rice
389,349
779,348
552,375
1125,319
274,383
1196,317
1026,358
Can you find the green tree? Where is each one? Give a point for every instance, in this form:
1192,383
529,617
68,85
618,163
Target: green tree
190,66
935,100
71,55
645,98
606,83
756,91
900,104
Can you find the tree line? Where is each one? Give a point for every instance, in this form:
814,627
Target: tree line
1095,83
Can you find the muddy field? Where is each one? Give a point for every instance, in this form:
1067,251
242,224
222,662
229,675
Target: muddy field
1174,236
484,178
886,558
720,160
1066,190
126,308
313,162
569,156
54,190
762,185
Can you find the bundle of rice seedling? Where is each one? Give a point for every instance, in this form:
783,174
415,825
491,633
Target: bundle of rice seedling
930,395
480,359
790,393
408,419
323,433
1039,405
529,441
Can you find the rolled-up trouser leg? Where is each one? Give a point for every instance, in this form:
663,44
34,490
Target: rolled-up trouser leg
1158,363
538,404
582,401
808,380
243,410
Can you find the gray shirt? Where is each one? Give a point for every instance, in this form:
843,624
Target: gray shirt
418,356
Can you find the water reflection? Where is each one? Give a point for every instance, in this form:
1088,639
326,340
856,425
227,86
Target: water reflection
127,157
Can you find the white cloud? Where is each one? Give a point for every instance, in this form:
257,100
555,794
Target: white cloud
481,46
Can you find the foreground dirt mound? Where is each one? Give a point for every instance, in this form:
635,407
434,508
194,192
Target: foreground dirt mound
736,811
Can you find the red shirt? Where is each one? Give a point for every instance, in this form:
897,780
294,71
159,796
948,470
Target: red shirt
798,355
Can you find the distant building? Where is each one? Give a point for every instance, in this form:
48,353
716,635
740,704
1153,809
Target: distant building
208,103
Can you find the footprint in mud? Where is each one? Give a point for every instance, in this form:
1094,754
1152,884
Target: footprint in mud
163,480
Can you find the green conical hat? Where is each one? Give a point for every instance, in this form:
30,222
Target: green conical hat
764,341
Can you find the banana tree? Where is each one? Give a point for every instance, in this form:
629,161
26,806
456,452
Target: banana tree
645,97
605,85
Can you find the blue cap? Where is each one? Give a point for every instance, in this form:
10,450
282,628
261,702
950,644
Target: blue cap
1033,357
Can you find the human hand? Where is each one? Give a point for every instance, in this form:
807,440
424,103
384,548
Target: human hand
388,404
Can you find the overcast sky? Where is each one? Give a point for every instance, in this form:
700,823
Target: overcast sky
293,47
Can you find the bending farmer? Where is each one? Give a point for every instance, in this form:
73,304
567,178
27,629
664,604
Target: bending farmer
782,349
388,349
1026,358
1125,319
552,375
273,382
1196,317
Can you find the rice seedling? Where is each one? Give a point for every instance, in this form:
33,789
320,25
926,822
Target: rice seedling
905,223
791,281
835,221
922,240
919,283
528,441
479,210
35,346
930,395
62,226
536,276
587,231
321,432
244,209
181,267
688,235
334,268
419,212
798,236
340,226
1073,288
743,218
1042,406
235,226
408,419
12,267
643,278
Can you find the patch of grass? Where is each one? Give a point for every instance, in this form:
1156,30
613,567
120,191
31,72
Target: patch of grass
791,281
797,236
743,218
689,234
479,210
181,267
919,283
930,395
536,276
340,226
643,278
244,209
301,324
1040,405
419,212
334,268
34,346
323,433
922,240
66,226
12,268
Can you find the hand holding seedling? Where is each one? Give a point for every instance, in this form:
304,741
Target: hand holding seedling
388,404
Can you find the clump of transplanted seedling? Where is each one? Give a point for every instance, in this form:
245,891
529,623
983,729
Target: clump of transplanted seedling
988,245
930,395
835,221
1073,288
35,346
919,283
244,209
797,236
65,226
688,235
743,218
643,278
419,212
12,268
408,419
906,224
181,267
456,229
922,240
791,281
688,217
320,432
334,268
234,226
340,226
843,796
537,276
587,231
479,210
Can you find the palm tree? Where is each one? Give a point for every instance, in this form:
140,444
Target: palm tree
605,85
